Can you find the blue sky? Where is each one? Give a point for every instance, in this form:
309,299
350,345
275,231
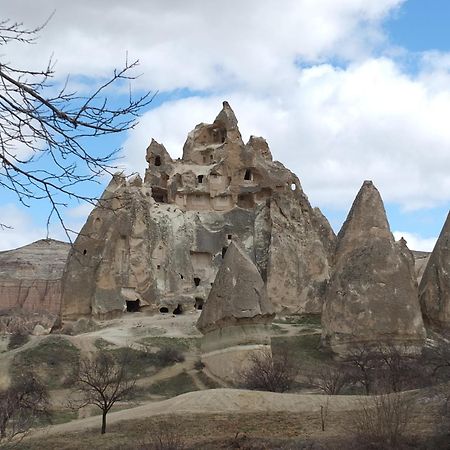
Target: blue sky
342,90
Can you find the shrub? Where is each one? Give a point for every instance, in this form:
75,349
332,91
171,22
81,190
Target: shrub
169,355
382,421
268,373
17,339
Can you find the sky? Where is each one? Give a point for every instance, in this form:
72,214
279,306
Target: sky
343,91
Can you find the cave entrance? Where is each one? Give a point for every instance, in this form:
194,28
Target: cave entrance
199,303
178,310
163,310
133,305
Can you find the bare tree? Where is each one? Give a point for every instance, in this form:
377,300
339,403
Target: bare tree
102,381
267,372
21,405
45,129
363,359
331,379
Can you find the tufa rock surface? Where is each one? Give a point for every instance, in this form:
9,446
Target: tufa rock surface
372,295
238,294
30,276
158,243
434,289
236,318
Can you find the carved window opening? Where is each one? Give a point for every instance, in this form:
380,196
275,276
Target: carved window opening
158,266
248,176
133,305
178,310
229,237
293,187
159,195
211,158
163,310
197,281
200,179
157,160
198,303
84,251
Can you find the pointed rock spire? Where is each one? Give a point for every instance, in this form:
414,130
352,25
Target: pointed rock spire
237,295
434,289
367,218
372,294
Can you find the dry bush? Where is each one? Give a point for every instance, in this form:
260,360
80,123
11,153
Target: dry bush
269,373
18,339
383,421
163,437
169,355
331,379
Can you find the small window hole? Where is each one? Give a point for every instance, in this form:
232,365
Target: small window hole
200,179
163,310
157,160
197,281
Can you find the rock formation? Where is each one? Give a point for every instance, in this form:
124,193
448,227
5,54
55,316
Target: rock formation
434,289
236,317
158,243
372,295
30,276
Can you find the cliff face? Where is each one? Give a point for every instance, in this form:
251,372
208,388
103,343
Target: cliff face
372,295
30,276
158,243
434,288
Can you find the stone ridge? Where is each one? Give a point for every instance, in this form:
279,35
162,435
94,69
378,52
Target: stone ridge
434,289
30,276
372,294
160,240
237,295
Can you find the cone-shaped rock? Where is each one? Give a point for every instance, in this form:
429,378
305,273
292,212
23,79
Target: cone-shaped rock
236,318
372,295
238,294
434,289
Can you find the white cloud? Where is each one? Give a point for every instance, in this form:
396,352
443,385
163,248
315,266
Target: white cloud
334,127
416,242
199,44
20,232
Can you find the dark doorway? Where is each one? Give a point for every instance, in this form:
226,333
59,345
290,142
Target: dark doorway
163,310
200,179
157,160
248,175
133,305
178,310
197,281
199,303
224,251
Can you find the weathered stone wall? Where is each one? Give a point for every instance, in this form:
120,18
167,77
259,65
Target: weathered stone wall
30,276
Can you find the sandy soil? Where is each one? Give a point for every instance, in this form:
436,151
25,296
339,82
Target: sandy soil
214,401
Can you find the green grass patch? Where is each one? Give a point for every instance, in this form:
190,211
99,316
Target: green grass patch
309,320
208,382
185,344
304,348
17,340
276,329
54,359
174,386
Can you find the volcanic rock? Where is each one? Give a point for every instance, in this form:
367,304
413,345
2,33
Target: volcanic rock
158,244
434,289
372,295
236,317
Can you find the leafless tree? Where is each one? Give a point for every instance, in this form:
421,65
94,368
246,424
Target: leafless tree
331,379
46,129
267,372
363,359
102,381
21,405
